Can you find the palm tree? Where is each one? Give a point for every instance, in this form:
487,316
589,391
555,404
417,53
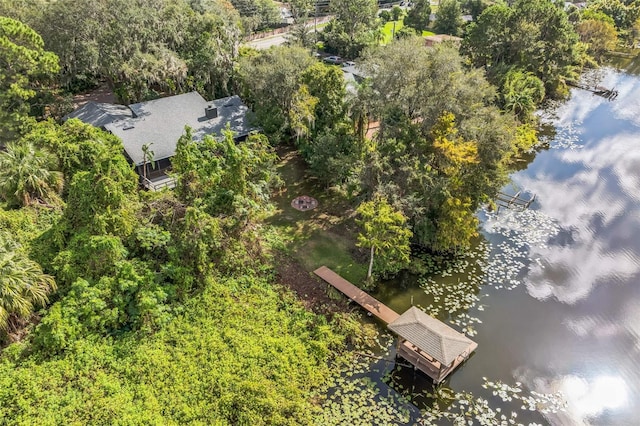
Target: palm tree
147,156
23,285
28,175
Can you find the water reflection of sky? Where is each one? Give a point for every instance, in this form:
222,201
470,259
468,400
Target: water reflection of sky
572,322
592,266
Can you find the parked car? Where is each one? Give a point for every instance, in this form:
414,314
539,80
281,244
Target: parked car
333,60
348,64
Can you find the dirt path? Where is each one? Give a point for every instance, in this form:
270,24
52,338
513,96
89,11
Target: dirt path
101,94
311,291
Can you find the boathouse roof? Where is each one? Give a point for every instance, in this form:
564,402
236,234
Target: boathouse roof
431,335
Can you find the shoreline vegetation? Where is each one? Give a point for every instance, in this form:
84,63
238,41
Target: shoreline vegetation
197,305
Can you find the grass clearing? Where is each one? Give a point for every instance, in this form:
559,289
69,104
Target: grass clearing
323,236
334,251
388,30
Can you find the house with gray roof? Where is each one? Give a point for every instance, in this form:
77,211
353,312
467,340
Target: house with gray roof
158,124
100,114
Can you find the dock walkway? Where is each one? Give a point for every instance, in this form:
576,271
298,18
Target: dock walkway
377,308
435,348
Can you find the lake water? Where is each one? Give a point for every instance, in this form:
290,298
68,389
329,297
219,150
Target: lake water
552,294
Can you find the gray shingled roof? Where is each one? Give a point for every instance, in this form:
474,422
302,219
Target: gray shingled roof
100,114
161,122
350,82
357,72
430,335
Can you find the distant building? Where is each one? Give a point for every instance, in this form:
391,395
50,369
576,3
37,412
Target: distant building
160,123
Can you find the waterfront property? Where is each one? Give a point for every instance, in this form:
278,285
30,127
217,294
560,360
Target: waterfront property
150,130
428,344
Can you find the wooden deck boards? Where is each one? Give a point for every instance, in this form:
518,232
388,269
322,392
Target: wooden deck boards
377,308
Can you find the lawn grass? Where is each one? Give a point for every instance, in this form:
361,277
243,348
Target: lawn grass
323,236
387,31
334,251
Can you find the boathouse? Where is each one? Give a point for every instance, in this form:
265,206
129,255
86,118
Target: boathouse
428,344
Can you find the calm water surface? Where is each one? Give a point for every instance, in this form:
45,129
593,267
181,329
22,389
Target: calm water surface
558,286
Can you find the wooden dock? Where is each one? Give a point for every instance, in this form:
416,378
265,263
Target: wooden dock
434,348
513,201
609,94
377,308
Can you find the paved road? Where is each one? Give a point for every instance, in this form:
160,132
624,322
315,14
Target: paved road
265,43
278,39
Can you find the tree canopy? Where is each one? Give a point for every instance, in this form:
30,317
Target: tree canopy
419,15
385,233
353,28
29,175
534,36
442,144
147,47
449,17
25,66
23,285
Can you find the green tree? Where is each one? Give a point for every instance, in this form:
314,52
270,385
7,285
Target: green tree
535,36
257,14
396,13
147,157
78,146
475,7
406,32
384,232
454,160
302,113
302,35
25,66
419,171
301,9
334,155
449,18
23,285
29,175
326,83
210,49
599,35
488,42
431,81
623,13
355,16
353,28
269,83
224,177
102,199
161,45
522,92
385,16
419,15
